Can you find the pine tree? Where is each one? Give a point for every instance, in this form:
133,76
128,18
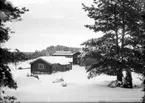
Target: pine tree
118,20
8,13
139,46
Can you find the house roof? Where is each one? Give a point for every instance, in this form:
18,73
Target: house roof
54,59
63,53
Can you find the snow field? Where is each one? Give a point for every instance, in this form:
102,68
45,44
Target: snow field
79,88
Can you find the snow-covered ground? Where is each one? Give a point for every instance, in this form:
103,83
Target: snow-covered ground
79,88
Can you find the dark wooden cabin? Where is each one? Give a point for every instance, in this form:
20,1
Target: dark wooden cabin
76,59
68,54
49,65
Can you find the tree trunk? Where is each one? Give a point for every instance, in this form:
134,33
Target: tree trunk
119,75
129,77
119,72
15,65
143,79
128,80
0,93
131,84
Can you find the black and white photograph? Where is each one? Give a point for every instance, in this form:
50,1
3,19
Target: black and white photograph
72,51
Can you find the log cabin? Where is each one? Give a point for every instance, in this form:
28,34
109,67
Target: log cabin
68,54
50,64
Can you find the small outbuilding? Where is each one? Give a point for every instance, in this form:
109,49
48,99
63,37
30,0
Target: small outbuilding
76,59
50,64
69,54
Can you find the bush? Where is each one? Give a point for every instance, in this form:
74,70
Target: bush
114,84
58,80
64,84
9,99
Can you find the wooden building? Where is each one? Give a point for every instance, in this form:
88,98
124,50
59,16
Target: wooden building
76,59
50,64
68,54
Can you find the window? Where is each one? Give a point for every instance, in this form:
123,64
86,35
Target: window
40,66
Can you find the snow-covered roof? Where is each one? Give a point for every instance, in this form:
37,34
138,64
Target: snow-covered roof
63,53
55,59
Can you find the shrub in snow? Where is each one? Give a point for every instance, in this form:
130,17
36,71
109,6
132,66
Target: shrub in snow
92,74
33,75
53,81
28,75
8,99
36,76
61,79
114,84
58,80
64,84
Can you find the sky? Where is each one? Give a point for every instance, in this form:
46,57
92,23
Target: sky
50,22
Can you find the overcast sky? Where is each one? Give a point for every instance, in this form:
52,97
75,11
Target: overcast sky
50,22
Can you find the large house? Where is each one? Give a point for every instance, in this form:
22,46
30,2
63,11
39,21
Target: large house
50,64
68,54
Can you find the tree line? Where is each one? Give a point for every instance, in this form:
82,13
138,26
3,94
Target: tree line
50,51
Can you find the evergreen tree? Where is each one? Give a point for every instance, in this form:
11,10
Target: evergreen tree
140,49
118,20
8,13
